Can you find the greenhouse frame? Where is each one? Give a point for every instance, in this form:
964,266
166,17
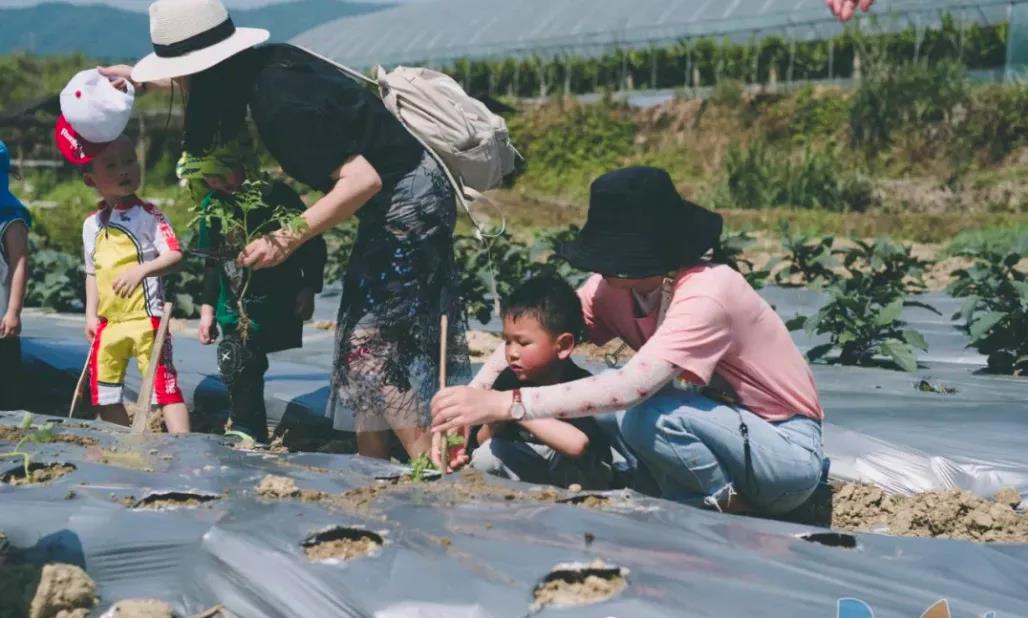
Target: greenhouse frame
441,32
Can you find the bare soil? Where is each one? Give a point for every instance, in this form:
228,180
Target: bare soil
272,486
570,585
140,608
471,486
952,514
39,474
174,500
14,434
341,544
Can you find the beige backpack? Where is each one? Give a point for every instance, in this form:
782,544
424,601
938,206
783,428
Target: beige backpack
472,143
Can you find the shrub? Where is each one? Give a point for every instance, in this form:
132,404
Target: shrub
907,95
566,146
862,314
759,177
57,280
995,309
511,262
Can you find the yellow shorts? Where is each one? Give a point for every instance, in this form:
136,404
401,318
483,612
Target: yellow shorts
113,345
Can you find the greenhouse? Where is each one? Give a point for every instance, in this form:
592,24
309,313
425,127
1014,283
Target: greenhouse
443,32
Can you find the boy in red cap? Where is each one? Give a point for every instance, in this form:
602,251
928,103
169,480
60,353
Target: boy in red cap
128,246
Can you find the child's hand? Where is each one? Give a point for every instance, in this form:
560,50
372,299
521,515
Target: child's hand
92,324
208,329
129,279
305,304
10,326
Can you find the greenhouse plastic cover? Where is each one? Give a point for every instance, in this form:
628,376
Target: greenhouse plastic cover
446,557
440,31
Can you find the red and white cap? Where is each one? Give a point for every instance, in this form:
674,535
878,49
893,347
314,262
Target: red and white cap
93,114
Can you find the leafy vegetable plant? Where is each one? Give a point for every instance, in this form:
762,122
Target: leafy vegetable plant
995,309
810,260
862,315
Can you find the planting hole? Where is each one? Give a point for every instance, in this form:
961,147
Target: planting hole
593,501
573,584
174,500
340,543
39,474
831,539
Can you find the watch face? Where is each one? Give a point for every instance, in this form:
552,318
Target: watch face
517,411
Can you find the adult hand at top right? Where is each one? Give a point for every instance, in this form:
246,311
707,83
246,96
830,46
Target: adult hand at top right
844,9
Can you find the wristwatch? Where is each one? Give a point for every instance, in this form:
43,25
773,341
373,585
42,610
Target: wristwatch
517,409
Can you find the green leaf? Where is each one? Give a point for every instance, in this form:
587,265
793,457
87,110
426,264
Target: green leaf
847,336
984,323
26,420
889,313
1022,288
817,352
901,354
919,304
796,322
915,339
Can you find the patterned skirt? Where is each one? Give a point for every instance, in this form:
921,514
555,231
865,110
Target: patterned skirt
400,280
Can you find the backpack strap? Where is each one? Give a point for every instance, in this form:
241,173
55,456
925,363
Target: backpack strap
464,195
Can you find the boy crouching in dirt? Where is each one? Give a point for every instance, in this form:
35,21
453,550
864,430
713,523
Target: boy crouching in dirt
542,322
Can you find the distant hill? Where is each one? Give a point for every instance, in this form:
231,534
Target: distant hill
101,31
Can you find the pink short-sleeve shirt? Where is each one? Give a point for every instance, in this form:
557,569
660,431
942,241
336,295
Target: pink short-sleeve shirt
716,323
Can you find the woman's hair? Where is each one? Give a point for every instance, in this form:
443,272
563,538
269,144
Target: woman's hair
217,101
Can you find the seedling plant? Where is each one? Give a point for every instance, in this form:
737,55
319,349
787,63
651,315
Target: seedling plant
37,435
241,218
422,464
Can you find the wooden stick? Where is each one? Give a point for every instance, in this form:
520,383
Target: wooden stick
79,384
444,455
139,423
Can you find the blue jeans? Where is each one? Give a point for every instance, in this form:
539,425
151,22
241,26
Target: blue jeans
696,452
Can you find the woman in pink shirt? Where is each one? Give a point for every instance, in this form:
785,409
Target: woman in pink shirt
717,402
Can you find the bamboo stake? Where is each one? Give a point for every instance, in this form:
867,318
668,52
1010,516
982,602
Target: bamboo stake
80,383
444,454
139,423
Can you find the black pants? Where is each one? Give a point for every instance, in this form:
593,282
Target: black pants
242,366
10,374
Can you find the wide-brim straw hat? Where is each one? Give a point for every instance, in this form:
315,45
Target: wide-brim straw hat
639,226
190,36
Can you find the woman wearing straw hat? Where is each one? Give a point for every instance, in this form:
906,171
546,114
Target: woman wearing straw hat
717,402
329,132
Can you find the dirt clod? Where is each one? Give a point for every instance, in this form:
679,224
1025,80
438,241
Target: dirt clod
64,591
173,500
140,608
580,585
341,544
272,486
953,514
39,474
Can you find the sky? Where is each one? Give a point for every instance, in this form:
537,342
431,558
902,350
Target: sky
141,5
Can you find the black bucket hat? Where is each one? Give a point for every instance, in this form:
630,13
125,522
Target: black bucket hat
639,226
